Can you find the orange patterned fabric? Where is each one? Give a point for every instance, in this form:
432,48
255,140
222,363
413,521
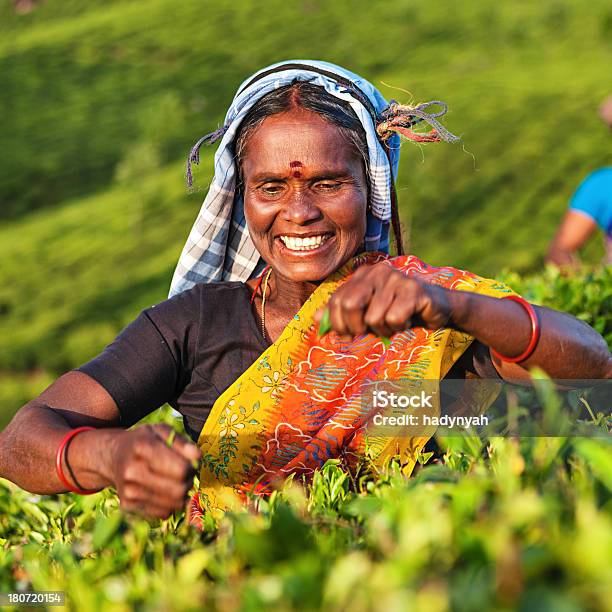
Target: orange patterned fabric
301,402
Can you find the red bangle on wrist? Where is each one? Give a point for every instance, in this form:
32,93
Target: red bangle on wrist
58,462
535,331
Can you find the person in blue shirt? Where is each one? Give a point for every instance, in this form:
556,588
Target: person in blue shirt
590,207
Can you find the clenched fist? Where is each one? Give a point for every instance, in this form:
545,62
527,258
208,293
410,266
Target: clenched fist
382,300
150,477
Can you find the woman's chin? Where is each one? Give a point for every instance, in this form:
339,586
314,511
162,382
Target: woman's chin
301,273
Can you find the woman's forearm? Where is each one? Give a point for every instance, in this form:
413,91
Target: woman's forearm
151,471
152,475
567,348
29,444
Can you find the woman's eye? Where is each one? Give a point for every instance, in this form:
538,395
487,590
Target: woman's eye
329,186
271,189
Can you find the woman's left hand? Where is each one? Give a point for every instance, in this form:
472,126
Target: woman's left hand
381,299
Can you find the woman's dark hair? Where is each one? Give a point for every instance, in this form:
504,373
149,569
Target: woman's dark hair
302,94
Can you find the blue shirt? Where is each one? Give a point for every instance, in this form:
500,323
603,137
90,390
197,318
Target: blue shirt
594,198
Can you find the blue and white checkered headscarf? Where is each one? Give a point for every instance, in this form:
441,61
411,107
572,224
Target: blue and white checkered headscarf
219,247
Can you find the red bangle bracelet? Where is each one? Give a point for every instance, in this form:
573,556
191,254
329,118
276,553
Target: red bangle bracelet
535,331
58,462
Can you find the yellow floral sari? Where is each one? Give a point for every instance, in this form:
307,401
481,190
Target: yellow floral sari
300,403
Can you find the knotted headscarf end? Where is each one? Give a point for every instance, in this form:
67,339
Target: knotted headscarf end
194,154
399,118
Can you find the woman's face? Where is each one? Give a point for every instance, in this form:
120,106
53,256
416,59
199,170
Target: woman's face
305,195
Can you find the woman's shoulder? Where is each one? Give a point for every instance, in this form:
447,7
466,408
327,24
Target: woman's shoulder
203,297
412,265
201,291
449,277
206,310
600,177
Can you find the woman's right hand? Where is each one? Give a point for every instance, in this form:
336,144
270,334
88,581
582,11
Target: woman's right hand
152,478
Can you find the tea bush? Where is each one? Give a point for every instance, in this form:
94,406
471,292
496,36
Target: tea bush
498,524
587,294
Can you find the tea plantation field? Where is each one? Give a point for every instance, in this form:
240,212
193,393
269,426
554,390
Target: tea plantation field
499,524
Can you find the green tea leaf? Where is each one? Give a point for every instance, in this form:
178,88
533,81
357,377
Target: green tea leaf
324,323
106,527
170,438
325,327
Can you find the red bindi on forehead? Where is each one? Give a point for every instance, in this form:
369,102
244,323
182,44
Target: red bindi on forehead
296,164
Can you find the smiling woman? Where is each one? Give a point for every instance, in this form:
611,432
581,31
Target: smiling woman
308,225
296,221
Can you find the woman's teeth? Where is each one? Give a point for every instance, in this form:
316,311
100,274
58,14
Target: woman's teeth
304,244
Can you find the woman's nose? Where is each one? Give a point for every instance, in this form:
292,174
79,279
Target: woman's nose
301,208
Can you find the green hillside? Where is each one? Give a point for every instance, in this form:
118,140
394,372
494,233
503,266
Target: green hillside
74,275
522,80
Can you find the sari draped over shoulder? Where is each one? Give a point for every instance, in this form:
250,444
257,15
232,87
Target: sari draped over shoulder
300,403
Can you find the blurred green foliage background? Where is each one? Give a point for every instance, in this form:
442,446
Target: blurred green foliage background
101,101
